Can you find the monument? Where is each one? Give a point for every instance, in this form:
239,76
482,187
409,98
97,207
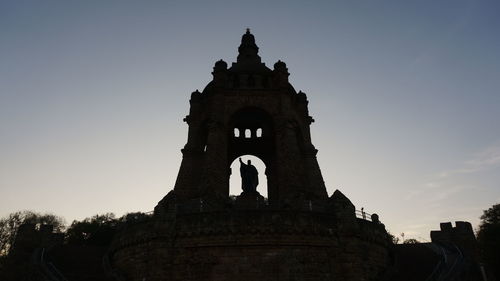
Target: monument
249,177
199,232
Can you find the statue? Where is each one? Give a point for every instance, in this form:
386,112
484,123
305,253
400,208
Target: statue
249,177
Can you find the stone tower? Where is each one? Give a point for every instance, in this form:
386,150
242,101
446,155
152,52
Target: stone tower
249,109
198,232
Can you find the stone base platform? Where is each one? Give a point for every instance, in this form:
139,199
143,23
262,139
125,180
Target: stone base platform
248,244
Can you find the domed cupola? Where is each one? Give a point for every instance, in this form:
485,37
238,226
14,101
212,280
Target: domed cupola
248,72
248,50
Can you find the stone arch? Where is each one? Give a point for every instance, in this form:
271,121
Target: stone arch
253,118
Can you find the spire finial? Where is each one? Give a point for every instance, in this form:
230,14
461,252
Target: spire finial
248,49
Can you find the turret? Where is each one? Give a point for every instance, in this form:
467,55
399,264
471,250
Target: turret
220,72
248,50
281,73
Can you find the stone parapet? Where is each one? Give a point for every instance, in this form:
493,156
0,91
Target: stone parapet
251,245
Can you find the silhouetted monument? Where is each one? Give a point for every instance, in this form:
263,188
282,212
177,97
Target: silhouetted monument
224,121
249,177
199,233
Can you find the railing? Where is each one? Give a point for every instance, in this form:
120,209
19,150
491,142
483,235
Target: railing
451,272
47,268
199,205
436,271
450,264
363,215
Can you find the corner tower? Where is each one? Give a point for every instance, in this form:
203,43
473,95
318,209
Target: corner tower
249,109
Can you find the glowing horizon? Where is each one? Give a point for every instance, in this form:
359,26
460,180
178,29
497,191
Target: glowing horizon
406,99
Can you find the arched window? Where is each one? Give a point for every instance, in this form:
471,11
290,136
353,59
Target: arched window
259,132
236,132
248,133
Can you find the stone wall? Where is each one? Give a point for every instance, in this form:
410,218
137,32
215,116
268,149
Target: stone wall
461,235
252,245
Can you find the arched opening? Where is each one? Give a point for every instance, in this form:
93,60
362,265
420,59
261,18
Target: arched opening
236,132
235,177
256,142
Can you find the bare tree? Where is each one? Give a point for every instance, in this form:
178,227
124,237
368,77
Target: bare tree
10,224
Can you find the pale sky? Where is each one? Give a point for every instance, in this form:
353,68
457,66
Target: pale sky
405,94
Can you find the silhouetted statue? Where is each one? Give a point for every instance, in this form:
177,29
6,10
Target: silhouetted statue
249,177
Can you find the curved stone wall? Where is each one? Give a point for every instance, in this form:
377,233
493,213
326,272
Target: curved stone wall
252,245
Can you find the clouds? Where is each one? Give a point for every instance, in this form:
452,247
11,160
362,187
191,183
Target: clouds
490,156
449,182
485,159
457,194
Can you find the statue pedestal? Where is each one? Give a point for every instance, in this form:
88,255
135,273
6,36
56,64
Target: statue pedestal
250,201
